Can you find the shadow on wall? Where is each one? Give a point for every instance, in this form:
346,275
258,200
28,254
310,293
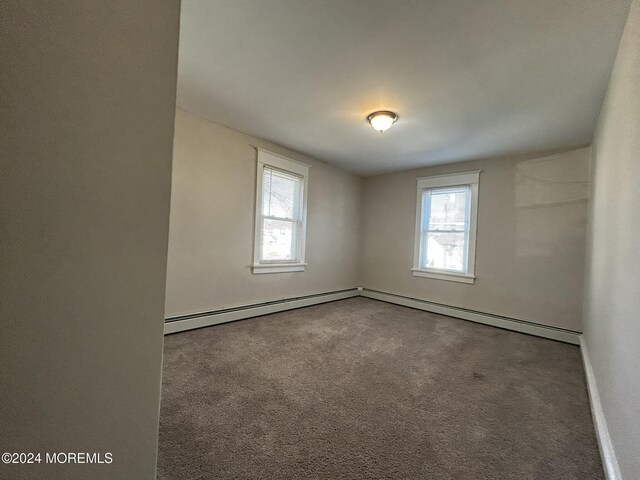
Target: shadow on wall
550,195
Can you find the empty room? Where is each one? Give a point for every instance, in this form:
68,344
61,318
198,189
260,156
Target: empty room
320,239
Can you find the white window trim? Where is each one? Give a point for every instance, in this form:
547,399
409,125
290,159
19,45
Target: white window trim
471,179
273,160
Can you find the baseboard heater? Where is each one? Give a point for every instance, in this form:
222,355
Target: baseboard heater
507,323
215,317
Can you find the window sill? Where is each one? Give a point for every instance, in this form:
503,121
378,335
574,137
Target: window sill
278,267
440,275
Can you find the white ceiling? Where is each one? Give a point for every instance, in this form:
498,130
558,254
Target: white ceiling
468,78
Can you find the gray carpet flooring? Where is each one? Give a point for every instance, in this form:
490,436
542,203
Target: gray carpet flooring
361,389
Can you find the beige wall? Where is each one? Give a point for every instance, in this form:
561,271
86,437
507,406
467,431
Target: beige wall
612,308
530,246
212,216
530,243
88,95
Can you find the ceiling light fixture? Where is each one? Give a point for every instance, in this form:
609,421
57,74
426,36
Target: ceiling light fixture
382,120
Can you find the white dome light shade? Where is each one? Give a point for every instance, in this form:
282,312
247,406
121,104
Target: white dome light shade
382,120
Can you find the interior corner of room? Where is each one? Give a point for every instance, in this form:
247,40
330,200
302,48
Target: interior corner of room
530,246
545,260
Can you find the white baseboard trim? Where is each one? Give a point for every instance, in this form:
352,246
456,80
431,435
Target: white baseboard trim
567,336
608,455
205,319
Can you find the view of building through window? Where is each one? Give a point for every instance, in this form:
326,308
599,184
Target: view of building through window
280,209
445,228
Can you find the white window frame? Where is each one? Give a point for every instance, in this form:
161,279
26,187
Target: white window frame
469,179
286,165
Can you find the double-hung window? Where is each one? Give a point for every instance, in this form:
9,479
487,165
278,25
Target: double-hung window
446,219
280,224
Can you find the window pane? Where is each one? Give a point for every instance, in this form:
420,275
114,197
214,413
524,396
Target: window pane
279,194
448,209
278,240
445,251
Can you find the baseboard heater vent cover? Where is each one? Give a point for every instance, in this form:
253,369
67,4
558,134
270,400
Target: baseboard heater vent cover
522,326
206,319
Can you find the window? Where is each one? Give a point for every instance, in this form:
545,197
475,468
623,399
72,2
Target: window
280,214
446,218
